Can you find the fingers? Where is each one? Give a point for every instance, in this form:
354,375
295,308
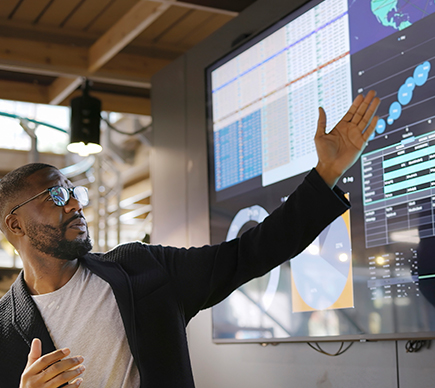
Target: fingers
321,123
371,128
367,119
353,109
51,370
362,110
45,361
366,110
64,370
35,351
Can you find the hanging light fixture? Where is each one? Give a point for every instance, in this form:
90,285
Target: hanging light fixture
85,124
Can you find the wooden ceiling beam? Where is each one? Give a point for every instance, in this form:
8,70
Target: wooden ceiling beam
61,88
43,55
134,22
64,60
39,94
110,78
117,102
21,91
197,6
140,16
102,61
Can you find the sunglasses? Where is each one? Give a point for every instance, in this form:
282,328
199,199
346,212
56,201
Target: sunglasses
61,195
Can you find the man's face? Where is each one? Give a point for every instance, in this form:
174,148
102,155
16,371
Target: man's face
58,231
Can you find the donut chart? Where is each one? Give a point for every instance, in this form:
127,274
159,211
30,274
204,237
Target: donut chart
322,274
258,214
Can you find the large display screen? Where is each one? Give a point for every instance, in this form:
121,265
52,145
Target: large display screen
371,273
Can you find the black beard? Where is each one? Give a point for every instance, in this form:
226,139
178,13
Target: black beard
51,241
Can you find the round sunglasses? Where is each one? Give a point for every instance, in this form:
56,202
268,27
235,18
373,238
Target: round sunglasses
61,195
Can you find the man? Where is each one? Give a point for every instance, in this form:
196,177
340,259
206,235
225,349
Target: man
123,314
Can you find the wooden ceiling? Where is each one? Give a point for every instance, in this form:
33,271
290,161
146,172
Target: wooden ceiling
48,47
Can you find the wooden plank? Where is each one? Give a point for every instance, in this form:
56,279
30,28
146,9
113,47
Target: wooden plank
42,55
182,4
61,88
85,14
163,23
46,33
21,91
212,24
65,60
184,27
6,7
123,32
29,10
126,64
52,34
118,103
56,14
111,16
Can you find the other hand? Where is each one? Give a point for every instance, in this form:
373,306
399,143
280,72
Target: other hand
339,149
51,370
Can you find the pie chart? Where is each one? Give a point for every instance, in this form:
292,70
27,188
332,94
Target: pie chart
322,273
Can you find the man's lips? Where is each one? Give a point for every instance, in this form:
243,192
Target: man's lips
77,222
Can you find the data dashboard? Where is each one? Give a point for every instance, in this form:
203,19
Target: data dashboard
371,273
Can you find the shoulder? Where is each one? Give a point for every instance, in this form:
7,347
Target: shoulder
7,313
123,253
7,300
134,256
5,306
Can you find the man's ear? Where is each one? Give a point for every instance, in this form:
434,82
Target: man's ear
13,224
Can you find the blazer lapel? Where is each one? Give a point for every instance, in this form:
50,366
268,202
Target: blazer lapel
26,317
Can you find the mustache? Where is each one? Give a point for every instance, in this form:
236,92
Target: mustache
69,220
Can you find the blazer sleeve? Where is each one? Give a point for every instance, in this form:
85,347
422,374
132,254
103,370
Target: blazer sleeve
204,276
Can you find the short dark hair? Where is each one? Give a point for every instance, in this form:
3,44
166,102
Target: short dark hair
13,183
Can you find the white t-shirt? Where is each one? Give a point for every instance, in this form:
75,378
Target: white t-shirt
84,317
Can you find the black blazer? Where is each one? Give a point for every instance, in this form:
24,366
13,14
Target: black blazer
159,289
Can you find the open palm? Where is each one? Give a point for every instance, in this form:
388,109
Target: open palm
339,149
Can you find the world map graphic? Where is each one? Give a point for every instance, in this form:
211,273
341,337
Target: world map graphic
373,20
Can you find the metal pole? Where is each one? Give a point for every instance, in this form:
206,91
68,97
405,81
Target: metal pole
97,184
118,210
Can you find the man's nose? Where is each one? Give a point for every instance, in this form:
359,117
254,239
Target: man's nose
73,204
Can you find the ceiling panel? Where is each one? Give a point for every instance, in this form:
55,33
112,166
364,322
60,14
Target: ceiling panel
120,44
30,10
58,12
172,16
129,64
185,26
205,29
86,13
7,7
111,15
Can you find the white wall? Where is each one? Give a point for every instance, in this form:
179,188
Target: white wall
180,211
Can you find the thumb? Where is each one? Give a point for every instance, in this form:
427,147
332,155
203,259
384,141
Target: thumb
35,351
321,123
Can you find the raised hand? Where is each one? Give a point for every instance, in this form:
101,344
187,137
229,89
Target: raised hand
51,370
339,149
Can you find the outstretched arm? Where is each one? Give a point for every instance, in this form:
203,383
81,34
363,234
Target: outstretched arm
339,149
